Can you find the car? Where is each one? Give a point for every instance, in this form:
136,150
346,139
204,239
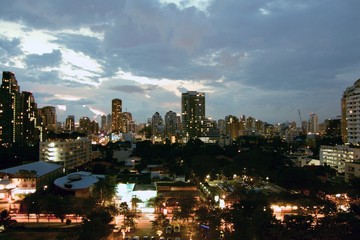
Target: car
169,238
176,228
145,237
152,238
161,238
116,229
136,238
168,229
177,238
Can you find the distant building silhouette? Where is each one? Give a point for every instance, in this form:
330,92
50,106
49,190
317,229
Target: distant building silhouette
70,123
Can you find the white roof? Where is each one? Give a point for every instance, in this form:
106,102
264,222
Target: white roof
41,168
77,180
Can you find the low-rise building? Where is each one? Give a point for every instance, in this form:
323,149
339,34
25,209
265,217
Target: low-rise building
20,180
352,170
70,153
337,156
80,184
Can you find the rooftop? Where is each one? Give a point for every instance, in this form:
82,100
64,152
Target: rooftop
41,168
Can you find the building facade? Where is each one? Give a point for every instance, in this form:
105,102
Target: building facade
70,123
350,114
116,112
337,156
11,112
171,124
192,113
47,117
70,153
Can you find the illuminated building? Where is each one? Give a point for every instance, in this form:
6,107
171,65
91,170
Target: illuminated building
70,153
47,117
337,156
192,113
85,125
103,122
11,112
27,178
80,184
116,110
30,129
352,170
127,122
232,127
18,113
70,123
350,114
313,123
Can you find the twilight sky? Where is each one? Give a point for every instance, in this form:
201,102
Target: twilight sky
259,58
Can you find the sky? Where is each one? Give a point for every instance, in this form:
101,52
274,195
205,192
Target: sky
261,58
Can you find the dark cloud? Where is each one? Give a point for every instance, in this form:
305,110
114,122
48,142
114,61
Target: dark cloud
286,54
44,60
133,89
80,102
10,47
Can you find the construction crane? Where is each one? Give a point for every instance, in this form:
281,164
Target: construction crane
301,122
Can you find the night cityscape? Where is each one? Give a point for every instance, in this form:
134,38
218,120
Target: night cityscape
179,120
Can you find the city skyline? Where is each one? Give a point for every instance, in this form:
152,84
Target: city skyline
262,59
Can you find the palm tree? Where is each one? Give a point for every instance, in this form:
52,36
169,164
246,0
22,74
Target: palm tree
157,202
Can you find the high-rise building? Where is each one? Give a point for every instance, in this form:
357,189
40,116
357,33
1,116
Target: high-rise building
350,114
127,122
157,126
85,125
70,123
313,123
116,110
332,127
192,113
103,122
11,110
171,124
30,128
70,153
47,116
232,127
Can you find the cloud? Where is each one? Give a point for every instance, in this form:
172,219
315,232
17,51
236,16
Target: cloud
44,60
249,57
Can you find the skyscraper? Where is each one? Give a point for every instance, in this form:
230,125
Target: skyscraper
126,122
116,112
70,123
30,128
48,118
350,117
193,113
313,123
103,122
11,112
171,123
157,126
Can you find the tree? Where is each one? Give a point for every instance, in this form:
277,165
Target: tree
157,202
186,208
134,203
104,189
59,206
96,224
252,218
